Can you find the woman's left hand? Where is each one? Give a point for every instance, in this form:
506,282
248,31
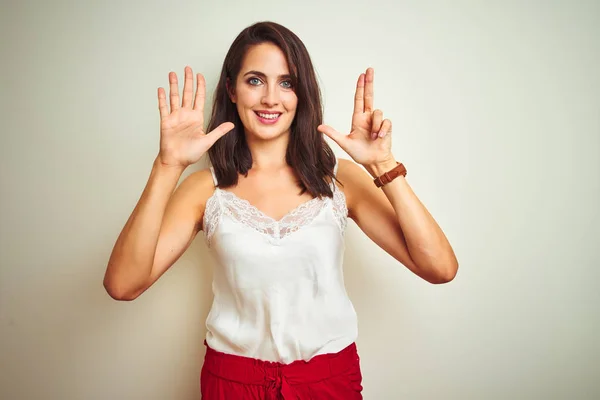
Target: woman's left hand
369,141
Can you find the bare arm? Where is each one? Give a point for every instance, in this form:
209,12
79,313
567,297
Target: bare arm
396,220
159,230
164,222
393,217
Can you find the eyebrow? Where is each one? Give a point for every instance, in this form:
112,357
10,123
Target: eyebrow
262,75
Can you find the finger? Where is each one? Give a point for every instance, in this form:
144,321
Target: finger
200,94
162,103
337,137
386,128
188,88
220,131
369,90
359,101
173,91
376,123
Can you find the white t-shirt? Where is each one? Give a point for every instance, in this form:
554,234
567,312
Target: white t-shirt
278,286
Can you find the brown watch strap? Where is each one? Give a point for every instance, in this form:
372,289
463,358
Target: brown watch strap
390,175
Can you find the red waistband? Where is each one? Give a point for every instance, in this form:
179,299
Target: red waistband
247,370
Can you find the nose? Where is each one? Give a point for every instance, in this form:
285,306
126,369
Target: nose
271,96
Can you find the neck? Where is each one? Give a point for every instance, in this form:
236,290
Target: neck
268,154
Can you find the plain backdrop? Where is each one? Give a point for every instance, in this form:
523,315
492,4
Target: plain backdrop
496,112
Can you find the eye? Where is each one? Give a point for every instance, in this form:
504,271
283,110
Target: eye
287,84
254,81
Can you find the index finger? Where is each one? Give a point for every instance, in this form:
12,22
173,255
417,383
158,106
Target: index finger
359,104
369,90
200,93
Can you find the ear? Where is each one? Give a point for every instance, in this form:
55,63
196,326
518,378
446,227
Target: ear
230,91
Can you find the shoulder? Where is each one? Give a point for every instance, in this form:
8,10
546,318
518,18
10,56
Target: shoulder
195,190
351,174
199,183
356,183
346,167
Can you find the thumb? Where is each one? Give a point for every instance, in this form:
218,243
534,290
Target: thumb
219,132
333,134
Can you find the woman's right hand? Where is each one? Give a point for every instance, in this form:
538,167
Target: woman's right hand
182,138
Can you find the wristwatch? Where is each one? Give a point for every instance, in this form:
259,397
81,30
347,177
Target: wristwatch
390,175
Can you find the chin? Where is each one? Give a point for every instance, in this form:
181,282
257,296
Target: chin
267,132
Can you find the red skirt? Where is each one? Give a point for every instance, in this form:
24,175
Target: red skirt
327,376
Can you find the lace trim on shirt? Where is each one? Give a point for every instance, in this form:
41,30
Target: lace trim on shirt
340,209
244,212
211,216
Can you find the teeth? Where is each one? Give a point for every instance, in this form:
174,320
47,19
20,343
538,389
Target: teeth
268,116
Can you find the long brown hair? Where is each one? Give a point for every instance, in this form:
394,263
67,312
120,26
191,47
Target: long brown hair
307,153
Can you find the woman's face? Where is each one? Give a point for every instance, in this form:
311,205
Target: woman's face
264,96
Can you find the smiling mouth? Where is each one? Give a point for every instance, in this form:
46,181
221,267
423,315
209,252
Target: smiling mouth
267,118
268,115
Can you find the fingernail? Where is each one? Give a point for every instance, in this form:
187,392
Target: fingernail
381,134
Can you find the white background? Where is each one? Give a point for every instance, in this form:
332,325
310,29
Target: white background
496,112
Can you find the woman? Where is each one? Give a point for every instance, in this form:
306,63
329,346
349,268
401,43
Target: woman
273,208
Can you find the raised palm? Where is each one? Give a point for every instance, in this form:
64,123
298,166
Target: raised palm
369,141
182,137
